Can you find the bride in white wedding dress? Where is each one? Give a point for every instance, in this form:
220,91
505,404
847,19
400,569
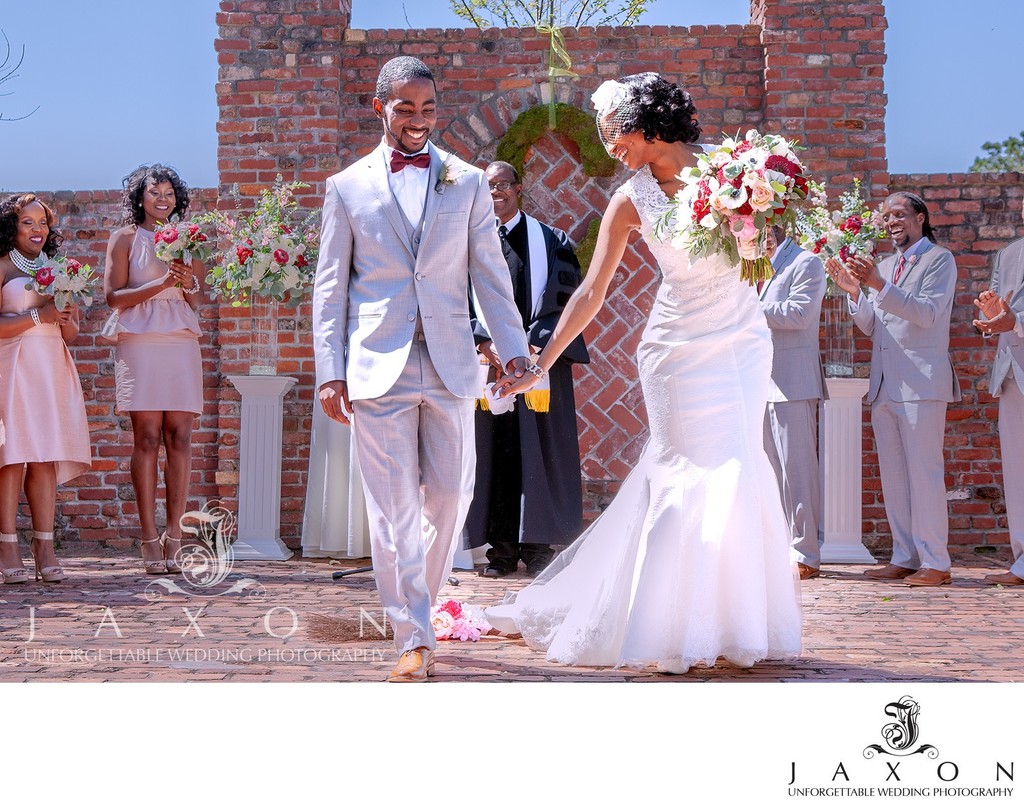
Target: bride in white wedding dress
691,561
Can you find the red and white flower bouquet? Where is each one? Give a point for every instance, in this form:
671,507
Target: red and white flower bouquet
853,229
729,199
181,241
65,280
271,252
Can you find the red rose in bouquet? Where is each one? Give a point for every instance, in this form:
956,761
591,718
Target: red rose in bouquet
44,277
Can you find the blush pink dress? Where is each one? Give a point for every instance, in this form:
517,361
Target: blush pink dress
157,362
41,402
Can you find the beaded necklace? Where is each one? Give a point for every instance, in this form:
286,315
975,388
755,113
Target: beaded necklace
29,266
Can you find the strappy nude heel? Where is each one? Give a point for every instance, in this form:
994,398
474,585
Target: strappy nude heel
13,575
173,565
158,567
51,575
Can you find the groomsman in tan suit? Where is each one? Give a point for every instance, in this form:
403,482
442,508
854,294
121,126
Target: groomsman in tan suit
1002,313
791,302
404,230
906,313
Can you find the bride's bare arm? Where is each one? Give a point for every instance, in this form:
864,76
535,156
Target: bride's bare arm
619,221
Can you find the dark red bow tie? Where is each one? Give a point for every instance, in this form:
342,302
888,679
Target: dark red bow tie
400,161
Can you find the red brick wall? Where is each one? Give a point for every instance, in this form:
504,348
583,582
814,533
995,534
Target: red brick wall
824,84
278,95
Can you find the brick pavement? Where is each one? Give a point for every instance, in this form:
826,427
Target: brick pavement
293,623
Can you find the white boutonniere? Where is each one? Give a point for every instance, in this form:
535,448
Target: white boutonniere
448,175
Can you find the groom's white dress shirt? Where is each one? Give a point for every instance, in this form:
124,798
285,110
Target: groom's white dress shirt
409,186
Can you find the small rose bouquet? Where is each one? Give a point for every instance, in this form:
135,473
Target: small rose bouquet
453,620
853,229
734,193
181,241
271,252
65,280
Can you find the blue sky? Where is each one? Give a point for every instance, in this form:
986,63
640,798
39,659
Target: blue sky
121,82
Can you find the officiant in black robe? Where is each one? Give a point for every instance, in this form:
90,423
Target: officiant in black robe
528,493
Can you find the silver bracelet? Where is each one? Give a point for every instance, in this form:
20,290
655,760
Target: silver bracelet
34,314
195,286
536,370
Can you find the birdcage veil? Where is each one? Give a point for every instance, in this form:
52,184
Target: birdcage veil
615,104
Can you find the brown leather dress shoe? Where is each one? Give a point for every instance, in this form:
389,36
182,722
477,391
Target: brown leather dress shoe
890,572
1003,579
929,578
414,666
806,571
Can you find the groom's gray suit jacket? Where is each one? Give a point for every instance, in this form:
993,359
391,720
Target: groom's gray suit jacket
374,279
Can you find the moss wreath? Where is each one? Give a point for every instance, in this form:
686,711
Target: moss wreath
579,127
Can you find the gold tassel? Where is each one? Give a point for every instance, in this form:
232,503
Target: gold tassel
481,404
538,400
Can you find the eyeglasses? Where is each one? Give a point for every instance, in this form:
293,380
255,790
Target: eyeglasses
501,186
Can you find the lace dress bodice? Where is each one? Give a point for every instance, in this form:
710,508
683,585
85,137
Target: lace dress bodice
706,294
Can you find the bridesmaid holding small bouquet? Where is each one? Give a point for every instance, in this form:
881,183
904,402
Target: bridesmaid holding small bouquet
41,403
158,366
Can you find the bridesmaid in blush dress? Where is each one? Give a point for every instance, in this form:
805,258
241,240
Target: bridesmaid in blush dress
41,403
157,367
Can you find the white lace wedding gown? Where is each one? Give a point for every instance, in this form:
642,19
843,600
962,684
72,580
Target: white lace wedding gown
690,562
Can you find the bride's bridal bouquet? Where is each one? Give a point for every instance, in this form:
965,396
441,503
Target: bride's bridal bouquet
853,229
65,280
729,199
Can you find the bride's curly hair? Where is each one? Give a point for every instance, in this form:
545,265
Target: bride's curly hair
135,186
10,210
659,108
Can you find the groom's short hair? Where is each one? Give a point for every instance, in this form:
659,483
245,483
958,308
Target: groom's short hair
401,68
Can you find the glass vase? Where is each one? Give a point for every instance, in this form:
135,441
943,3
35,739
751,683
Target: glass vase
838,336
263,336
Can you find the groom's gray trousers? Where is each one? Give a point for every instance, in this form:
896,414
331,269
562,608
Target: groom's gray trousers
417,455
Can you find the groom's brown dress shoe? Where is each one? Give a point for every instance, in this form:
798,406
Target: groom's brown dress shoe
414,666
929,578
890,572
1003,579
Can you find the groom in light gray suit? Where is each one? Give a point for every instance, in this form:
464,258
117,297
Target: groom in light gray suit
1002,313
907,314
404,232
791,301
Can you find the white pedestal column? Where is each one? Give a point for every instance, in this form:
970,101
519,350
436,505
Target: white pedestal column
259,470
840,452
